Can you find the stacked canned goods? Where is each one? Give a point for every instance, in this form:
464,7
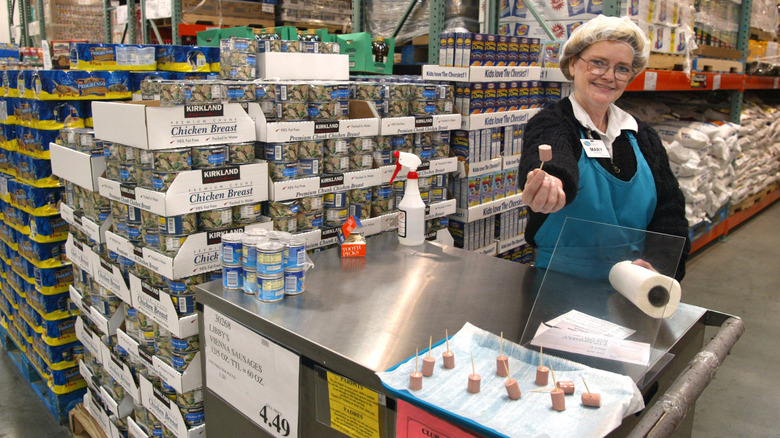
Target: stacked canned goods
269,265
81,139
167,234
238,58
158,169
307,42
310,158
312,100
400,96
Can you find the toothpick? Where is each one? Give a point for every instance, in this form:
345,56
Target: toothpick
553,375
447,338
541,165
501,348
473,369
430,342
416,353
506,368
586,385
542,390
541,352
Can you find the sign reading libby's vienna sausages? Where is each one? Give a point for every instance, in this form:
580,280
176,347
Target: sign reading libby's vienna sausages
254,375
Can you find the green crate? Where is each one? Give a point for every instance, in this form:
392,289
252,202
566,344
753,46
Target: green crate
209,38
361,58
239,32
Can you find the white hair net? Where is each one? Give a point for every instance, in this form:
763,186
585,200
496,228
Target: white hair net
604,28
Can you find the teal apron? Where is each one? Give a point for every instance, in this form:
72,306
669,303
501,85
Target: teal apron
588,249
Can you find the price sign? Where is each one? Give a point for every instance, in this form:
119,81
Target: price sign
254,375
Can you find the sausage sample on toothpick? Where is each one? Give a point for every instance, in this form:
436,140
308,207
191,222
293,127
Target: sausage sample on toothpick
474,378
511,386
502,362
556,395
542,372
428,361
448,357
545,154
590,399
416,377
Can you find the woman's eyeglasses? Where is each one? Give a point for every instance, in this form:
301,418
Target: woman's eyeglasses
599,68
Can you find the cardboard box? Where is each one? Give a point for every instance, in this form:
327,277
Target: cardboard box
481,211
158,305
80,254
363,122
116,369
90,228
156,127
167,411
507,118
303,66
196,190
200,253
412,125
77,167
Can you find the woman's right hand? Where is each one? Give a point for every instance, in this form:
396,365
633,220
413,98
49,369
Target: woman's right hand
543,193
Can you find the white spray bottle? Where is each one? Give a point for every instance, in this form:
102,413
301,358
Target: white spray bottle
411,209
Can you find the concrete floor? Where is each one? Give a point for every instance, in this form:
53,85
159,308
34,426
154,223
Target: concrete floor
738,275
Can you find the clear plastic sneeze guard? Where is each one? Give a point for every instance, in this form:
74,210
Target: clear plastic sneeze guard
599,302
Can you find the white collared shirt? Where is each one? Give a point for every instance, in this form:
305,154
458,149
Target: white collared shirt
617,121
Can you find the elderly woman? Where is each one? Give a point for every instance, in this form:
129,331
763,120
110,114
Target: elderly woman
606,167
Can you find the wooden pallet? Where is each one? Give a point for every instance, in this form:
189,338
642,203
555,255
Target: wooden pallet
717,65
753,199
663,61
332,28
259,22
83,425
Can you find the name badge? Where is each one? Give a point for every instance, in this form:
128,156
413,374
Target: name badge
594,148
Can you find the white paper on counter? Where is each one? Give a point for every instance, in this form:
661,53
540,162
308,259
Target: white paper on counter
582,322
530,416
563,339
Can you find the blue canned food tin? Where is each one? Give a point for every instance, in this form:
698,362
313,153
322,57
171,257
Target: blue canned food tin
185,345
281,151
249,252
294,254
270,287
293,281
184,224
184,303
250,283
310,166
270,258
133,215
193,416
335,200
232,277
231,249
180,361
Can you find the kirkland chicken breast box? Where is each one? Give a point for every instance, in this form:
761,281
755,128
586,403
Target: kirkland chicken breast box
147,125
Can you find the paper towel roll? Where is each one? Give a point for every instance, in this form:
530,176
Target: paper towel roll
655,294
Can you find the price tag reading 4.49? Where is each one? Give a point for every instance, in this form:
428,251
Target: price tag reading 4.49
277,422
254,375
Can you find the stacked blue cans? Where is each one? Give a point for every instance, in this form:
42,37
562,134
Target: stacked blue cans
267,264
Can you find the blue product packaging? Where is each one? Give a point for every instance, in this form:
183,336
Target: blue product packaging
232,277
294,280
270,287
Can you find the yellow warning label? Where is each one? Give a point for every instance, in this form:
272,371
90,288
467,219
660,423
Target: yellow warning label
354,409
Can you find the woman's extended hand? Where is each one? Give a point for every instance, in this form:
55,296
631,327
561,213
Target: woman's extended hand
543,193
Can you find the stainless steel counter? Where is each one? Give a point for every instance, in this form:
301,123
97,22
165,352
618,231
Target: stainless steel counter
363,315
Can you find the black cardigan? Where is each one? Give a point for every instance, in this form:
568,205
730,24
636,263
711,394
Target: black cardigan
556,125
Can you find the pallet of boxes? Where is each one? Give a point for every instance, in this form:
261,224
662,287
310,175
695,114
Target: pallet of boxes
36,276
177,173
